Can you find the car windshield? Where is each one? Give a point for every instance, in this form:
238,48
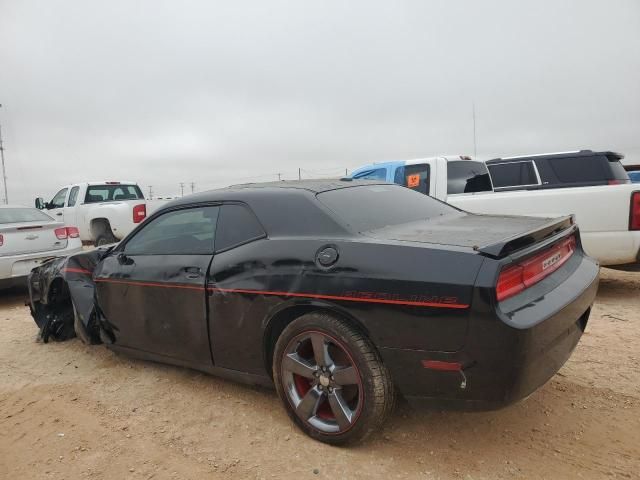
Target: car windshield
370,207
22,215
106,193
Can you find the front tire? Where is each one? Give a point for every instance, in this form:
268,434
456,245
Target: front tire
331,379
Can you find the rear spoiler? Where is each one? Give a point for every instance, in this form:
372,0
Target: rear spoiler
523,240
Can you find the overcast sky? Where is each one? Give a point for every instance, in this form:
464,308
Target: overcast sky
234,91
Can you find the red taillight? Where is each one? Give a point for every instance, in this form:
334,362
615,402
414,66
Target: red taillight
61,233
634,213
139,213
73,232
618,182
516,278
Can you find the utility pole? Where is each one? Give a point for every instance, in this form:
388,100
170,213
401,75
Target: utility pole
182,189
193,187
150,192
299,173
4,172
346,172
279,177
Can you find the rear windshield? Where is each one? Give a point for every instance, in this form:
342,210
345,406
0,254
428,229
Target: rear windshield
372,207
465,176
21,215
107,193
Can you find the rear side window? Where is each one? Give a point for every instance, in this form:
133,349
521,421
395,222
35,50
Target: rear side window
73,197
465,176
237,225
580,169
181,232
108,193
513,174
416,177
371,207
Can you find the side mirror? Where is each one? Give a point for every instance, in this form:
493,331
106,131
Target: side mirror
40,203
123,259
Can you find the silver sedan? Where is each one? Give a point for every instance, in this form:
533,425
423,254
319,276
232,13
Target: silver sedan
28,237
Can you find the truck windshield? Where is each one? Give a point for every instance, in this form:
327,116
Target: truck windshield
369,207
108,193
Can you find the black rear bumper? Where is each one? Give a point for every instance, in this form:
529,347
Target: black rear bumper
506,357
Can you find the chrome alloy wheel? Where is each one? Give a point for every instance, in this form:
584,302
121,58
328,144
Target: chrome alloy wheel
322,382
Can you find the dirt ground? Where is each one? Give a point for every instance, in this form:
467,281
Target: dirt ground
71,411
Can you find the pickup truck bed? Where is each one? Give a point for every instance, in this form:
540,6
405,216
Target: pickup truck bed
601,212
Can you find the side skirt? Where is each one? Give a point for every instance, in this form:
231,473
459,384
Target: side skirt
226,373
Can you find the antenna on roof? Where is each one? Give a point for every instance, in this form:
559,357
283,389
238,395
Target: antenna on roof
475,150
4,172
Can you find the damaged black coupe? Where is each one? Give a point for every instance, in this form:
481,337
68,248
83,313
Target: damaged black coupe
341,293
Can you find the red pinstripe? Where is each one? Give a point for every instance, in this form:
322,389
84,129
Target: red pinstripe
76,270
289,294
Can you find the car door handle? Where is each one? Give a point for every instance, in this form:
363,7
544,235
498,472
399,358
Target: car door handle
59,214
193,272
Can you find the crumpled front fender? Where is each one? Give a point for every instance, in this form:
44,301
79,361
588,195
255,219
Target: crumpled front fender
62,297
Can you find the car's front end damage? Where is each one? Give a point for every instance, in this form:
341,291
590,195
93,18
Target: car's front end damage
61,297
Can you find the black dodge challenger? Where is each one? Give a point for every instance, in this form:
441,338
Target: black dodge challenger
341,293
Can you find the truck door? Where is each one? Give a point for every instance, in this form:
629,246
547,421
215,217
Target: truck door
56,206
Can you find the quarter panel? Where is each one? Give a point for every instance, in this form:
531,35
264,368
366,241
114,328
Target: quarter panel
404,295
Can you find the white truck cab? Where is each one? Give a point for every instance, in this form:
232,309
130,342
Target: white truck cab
104,212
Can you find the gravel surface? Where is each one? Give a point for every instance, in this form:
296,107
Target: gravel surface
73,411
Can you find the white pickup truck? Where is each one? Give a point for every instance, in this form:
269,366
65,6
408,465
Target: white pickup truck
608,215
103,212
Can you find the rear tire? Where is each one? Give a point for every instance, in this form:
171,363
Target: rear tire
331,379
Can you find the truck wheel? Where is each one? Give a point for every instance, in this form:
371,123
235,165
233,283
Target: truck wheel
105,238
331,379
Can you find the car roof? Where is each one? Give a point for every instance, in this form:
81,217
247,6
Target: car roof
283,208
543,156
275,188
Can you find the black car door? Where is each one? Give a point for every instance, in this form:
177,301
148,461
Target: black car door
152,289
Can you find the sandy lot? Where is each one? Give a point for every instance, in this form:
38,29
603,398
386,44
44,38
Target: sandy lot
72,411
